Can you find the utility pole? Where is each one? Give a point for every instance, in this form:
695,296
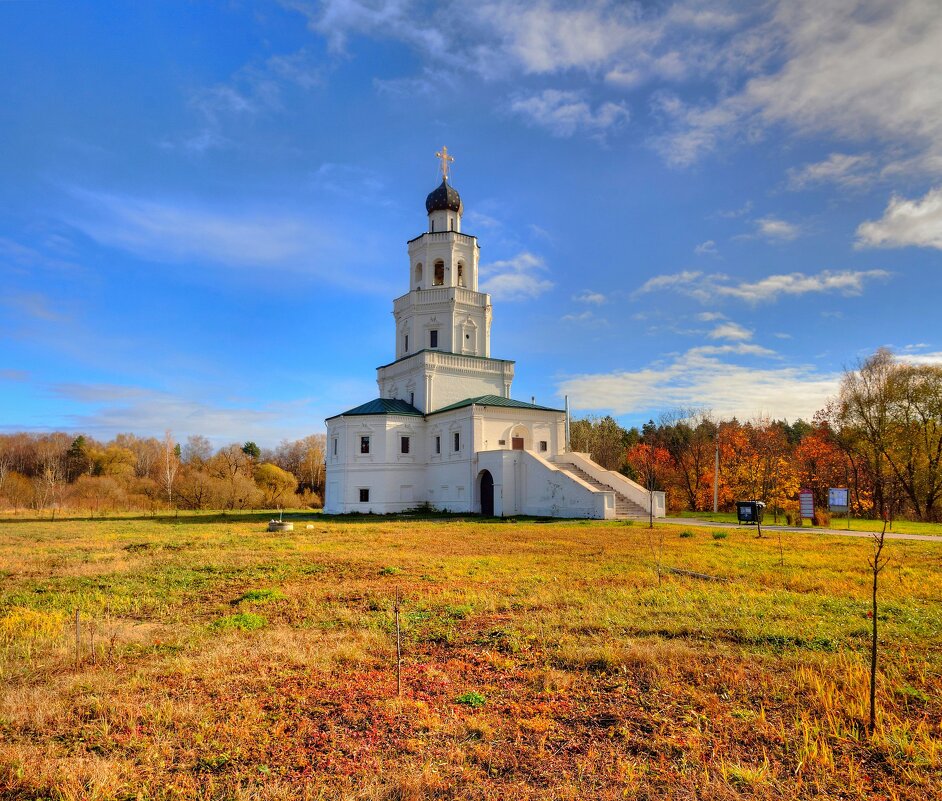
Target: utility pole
716,474
567,424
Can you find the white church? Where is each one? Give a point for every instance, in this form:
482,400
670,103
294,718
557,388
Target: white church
444,430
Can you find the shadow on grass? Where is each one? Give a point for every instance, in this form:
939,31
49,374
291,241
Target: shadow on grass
290,516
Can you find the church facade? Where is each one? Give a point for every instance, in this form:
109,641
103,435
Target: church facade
445,430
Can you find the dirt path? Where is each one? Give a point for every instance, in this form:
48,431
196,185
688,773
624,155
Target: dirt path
890,535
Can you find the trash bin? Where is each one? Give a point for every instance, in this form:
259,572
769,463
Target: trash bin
749,511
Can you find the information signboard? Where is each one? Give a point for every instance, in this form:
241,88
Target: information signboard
837,499
806,503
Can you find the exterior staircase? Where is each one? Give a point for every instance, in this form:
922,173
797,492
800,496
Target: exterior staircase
624,508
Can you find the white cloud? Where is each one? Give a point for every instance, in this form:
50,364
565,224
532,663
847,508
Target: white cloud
33,305
933,359
670,281
588,296
906,222
587,317
709,317
838,168
707,288
149,412
170,230
707,248
518,278
701,378
859,71
565,113
776,229
730,330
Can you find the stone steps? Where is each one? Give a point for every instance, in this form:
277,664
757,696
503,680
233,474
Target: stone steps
624,507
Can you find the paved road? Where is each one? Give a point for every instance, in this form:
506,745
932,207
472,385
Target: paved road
890,535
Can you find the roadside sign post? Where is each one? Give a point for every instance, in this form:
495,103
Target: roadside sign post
838,502
806,504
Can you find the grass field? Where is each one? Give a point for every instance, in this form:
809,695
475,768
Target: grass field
540,661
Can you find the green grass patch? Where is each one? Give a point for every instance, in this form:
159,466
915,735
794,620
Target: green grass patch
246,621
473,699
260,596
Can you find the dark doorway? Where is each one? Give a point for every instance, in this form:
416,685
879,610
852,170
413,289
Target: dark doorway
487,494
517,443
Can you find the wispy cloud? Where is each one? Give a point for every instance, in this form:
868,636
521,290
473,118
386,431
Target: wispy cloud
670,281
704,377
519,278
176,231
776,229
906,222
707,248
730,330
565,113
860,75
113,408
707,288
588,296
840,169
36,305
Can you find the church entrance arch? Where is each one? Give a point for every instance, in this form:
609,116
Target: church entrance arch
486,482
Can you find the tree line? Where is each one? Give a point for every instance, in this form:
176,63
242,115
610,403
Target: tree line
63,471
880,437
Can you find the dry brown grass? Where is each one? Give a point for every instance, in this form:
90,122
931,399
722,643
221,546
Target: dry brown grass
596,680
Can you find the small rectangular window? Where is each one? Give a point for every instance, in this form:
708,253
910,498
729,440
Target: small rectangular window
501,442
433,338
335,446
406,347
412,398
403,444
438,444
542,444
364,495
364,444
457,441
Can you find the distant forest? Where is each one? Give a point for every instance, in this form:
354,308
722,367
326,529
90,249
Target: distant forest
881,438
63,471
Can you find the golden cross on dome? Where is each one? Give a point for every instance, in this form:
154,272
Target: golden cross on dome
445,159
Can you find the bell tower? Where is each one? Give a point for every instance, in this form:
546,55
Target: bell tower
443,312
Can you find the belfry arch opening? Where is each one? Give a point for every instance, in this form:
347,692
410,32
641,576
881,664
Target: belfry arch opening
439,276
418,275
461,273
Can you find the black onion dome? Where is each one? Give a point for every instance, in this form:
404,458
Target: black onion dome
444,198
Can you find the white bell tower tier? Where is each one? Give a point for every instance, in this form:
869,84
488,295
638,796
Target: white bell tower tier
443,324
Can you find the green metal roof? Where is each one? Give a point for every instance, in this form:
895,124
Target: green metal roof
495,400
382,406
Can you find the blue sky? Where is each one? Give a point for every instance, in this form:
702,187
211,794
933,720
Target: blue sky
204,206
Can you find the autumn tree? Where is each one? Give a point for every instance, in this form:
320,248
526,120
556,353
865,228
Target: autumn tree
689,437
170,464
603,438
277,485
197,451
17,490
890,413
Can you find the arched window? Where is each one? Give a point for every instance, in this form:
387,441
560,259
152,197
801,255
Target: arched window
460,274
418,275
432,227
439,279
